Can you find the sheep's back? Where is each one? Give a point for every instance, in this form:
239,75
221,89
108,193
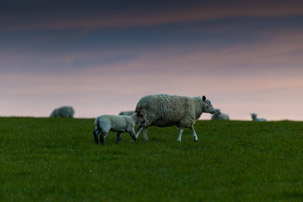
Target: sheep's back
164,110
113,123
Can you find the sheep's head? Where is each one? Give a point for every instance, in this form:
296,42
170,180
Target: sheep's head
217,112
140,117
253,116
207,106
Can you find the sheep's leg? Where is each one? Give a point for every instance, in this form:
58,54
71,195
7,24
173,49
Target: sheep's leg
194,133
144,134
180,134
96,132
132,135
102,137
139,129
118,137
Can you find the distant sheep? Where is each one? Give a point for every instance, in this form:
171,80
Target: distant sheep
168,110
219,116
65,111
127,113
116,123
254,117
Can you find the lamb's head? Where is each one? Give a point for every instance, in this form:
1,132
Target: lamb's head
217,112
140,117
207,106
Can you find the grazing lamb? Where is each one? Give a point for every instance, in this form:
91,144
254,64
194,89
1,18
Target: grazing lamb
219,116
254,117
127,113
65,111
168,110
116,123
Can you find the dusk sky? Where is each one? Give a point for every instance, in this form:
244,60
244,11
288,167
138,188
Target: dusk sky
101,57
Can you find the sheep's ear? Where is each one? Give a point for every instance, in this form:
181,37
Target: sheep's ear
203,98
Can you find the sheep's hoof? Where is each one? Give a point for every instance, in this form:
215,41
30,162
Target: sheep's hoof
96,138
102,140
118,140
196,140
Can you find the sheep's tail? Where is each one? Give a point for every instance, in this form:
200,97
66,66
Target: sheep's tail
97,131
97,127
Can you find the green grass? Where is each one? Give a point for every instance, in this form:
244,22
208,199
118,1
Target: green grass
45,159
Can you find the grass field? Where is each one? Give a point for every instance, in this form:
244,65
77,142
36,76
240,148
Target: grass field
44,159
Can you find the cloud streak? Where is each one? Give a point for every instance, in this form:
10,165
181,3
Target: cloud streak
97,16
102,58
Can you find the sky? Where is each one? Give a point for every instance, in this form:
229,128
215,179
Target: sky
101,57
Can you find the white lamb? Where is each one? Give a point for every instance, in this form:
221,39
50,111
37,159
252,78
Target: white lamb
219,116
128,113
254,117
168,110
116,123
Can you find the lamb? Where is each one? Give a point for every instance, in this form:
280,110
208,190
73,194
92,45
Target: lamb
219,116
65,111
116,123
254,117
128,113
168,110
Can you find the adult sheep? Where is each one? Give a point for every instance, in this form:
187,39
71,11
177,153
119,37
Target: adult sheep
168,110
127,113
65,111
219,116
254,118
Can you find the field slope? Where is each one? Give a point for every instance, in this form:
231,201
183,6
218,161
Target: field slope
44,159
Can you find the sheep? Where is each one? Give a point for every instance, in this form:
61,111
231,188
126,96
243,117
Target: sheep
65,111
128,113
219,116
116,123
254,117
167,110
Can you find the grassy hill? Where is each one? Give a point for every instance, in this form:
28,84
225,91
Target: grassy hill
44,159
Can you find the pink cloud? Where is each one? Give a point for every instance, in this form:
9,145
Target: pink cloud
240,79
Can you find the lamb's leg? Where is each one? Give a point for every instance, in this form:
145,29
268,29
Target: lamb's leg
194,133
180,134
96,132
118,137
144,134
132,135
139,129
102,137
